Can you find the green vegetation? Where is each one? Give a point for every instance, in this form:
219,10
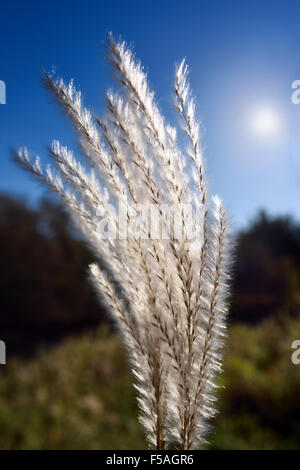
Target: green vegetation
76,396
259,406
79,394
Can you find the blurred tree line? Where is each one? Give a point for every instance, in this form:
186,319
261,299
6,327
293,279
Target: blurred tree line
45,293
266,272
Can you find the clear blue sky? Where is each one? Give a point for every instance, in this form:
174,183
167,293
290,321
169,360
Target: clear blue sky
243,58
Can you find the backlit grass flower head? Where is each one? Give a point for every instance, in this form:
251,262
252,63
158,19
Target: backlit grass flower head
166,295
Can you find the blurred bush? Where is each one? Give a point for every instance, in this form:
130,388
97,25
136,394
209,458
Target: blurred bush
259,408
75,396
79,395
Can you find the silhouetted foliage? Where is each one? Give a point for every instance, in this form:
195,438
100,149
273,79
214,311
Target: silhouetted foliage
267,271
44,288
45,293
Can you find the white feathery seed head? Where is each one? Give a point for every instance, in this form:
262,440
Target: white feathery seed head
167,294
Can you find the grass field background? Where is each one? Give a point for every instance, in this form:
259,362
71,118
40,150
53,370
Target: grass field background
79,395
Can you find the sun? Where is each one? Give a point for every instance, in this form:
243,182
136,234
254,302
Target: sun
265,122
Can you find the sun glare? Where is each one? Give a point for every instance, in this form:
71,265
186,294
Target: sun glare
265,122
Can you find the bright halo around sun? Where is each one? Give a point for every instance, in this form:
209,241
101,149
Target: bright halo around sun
265,122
